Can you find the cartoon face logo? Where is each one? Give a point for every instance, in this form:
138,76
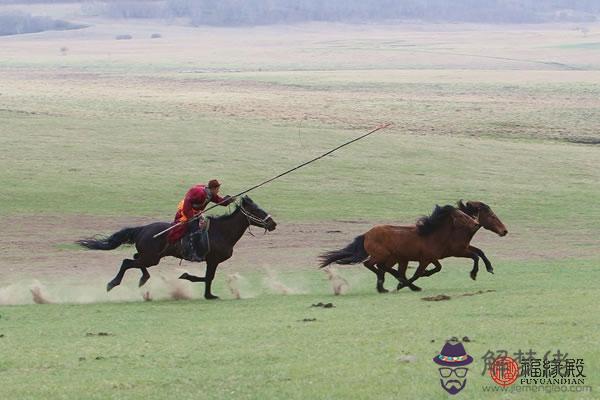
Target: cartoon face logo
452,360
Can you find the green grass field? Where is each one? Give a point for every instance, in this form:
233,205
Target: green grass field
114,133
262,348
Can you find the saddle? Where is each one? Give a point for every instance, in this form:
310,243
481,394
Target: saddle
195,245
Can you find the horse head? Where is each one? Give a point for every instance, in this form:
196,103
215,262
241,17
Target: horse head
484,214
461,219
256,215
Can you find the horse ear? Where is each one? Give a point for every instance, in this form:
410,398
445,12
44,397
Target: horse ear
461,205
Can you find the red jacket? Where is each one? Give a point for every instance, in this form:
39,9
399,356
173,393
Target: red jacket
193,203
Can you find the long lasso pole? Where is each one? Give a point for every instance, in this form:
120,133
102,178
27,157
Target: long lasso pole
380,127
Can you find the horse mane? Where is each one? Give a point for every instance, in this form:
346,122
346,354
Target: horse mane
426,225
223,217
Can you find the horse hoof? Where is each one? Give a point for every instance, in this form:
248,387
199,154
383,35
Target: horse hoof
491,271
473,276
382,290
109,286
142,282
211,297
185,275
415,288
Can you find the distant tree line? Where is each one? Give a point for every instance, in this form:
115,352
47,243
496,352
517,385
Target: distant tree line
261,12
17,23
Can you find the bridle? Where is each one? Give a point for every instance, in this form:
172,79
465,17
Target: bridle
475,215
252,218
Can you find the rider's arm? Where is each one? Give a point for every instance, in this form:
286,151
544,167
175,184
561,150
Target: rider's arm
223,201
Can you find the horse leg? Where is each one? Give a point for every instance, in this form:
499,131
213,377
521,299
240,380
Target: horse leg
145,276
381,270
143,264
473,272
480,253
211,268
472,255
389,268
192,278
418,273
139,262
402,266
438,268
370,265
116,281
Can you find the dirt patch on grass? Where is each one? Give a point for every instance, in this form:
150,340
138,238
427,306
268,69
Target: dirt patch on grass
478,292
584,140
444,297
439,297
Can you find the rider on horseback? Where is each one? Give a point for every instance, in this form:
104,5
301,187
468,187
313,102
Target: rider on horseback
192,205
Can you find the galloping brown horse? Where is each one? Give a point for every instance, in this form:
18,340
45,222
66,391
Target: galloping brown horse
488,220
446,232
461,246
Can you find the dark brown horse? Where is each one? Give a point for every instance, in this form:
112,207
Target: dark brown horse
461,246
488,220
384,246
224,233
446,232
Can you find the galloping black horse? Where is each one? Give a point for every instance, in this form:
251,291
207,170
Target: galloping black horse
225,231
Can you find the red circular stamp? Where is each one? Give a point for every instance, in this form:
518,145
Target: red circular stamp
504,371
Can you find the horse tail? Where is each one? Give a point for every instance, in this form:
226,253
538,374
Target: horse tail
126,235
352,254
